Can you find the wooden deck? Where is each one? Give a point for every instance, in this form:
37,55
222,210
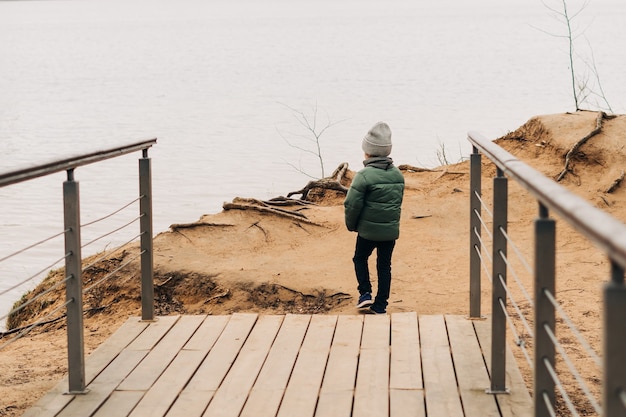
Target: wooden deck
292,366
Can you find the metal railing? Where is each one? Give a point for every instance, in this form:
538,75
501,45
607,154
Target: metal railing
601,229
72,257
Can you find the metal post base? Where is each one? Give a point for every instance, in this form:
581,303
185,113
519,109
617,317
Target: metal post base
506,391
85,391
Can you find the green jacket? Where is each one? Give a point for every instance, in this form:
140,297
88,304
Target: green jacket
372,205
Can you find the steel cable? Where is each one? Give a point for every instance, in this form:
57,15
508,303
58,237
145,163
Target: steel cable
110,274
33,276
483,263
519,341
112,214
38,322
106,256
482,242
517,251
484,224
559,385
33,245
32,300
516,306
549,407
111,232
572,369
516,278
482,203
590,351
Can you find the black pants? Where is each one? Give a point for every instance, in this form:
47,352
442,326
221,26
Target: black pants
384,250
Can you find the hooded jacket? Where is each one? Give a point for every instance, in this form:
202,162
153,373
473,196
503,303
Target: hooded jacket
372,205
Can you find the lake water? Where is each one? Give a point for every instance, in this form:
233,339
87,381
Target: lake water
217,82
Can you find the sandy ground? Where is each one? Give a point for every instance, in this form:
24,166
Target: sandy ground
254,260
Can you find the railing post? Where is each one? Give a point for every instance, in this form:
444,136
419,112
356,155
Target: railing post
145,209
74,287
545,232
475,233
498,316
614,343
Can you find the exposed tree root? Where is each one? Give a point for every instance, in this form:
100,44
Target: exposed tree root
285,201
411,168
256,224
329,183
26,329
175,227
215,297
615,184
338,295
574,150
263,207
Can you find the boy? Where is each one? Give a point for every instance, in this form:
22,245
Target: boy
372,208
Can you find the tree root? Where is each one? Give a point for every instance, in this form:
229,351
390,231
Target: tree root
256,224
410,168
615,184
285,201
262,206
339,295
226,293
574,150
177,226
329,183
26,329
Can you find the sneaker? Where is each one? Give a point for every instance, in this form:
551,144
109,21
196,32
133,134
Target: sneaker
377,309
365,300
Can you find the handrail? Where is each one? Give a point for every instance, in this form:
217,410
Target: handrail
73,243
29,172
598,226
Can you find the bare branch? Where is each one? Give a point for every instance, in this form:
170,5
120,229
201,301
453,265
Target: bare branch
309,123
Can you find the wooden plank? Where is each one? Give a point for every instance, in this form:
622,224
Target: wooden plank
406,387
376,332
230,397
371,394
119,404
208,332
303,388
161,396
268,390
194,399
219,360
142,378
337,391
153,333
440,387
54,401
406,365
102,387
190,404
110,348
202,341
518,402
471,372
407,403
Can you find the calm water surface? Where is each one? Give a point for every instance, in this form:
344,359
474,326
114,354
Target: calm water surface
214,81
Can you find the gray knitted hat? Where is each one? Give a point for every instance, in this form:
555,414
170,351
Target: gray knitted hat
377,142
